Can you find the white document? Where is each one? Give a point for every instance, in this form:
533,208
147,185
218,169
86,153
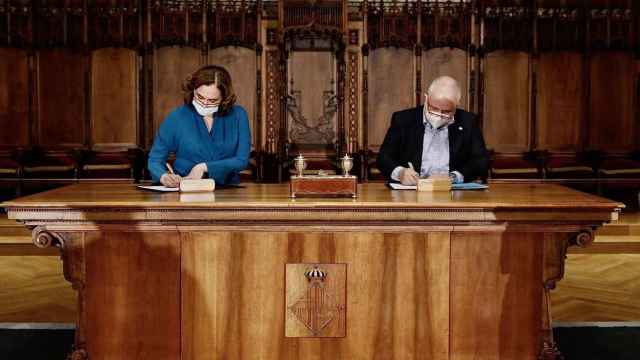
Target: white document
160,188
398,186
463,186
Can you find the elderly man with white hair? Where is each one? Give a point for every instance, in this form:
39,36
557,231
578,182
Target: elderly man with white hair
436,138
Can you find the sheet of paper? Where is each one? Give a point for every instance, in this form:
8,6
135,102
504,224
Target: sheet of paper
160,188
463,186
397,186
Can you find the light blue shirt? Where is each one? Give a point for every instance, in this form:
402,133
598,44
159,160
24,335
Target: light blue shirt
225,149
435,151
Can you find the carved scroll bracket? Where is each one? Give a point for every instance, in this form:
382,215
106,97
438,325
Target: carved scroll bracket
43,238
79,354
71,253
556,253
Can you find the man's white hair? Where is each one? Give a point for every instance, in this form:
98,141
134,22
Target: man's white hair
445,87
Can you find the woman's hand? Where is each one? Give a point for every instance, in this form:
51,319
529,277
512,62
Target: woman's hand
197,172
170,180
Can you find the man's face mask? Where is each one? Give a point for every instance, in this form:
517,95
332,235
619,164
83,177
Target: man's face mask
438,121
436,118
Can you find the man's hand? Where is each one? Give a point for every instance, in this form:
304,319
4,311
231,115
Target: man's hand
197,172
408,177
170,180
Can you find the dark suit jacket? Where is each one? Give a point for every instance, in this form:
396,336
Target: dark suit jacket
403,144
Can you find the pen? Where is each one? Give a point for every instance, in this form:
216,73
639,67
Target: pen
170,169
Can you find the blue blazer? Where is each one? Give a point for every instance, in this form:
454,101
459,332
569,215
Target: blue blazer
225,150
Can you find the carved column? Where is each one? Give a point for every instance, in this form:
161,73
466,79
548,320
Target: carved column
555,253
71,247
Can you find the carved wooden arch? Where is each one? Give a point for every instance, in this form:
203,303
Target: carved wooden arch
318,21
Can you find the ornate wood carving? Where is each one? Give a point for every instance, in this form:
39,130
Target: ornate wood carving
115,24
353,101
50,25
168,21
312,131
610,28
446,24
316,299
272,36
233,23
273,100
392,24
16,17
354,37
312,15
70,246
507,28
196,11
560,29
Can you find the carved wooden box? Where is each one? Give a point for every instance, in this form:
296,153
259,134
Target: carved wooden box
323,186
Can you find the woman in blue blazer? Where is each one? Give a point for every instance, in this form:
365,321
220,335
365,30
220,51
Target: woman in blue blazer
209,134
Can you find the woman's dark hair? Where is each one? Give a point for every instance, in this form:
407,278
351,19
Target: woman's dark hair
207,75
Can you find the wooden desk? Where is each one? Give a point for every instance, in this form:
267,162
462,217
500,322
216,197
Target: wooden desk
401,275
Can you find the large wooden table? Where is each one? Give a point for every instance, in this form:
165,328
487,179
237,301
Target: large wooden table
232,275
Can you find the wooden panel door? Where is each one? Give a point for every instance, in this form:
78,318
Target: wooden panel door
114,98
14,98
612,125
391,77
446,61
61,98
559,104
506,101
171,66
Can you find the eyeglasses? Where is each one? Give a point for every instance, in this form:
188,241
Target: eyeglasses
447,115
204,101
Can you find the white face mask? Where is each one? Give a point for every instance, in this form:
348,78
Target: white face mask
204,110
437,121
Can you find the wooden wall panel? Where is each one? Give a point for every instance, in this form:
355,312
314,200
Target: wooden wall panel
241,64
612,125
122,270
497,317
14,97
170,67
391,88
114,97
446,61
243,276
506,101
61,98
559,104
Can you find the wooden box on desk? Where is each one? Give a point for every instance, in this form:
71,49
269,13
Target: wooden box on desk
323,186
